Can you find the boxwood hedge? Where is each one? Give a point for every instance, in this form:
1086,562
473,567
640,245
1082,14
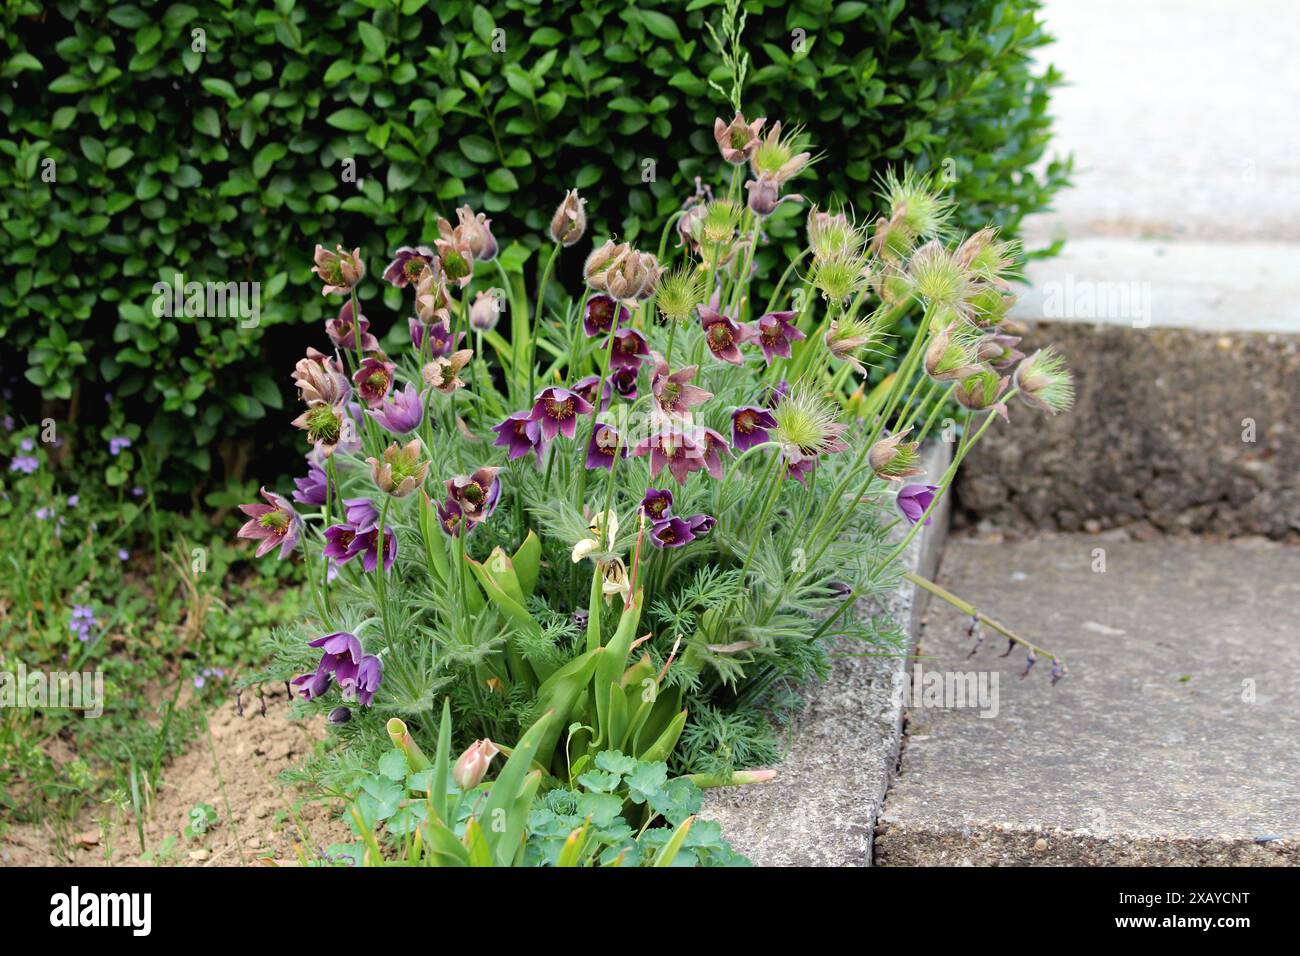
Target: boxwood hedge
220,139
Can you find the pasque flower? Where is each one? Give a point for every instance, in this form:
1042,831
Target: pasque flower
1044,381
324,425
586,387
362,684
982,390
711,445
320,379
605,443
313,489
629,349
455,254
402,414
485,311
674,395
672,448
401,471
722,334
451,519
738,139
602,312
340,270
432,303
894,459
443,373
557,410
657,503
342,331
622,272
314,684
520,433
671,533
472,766
624,382
436,338
570,220
749,427
475,232
914,500
407,265
476,495
373,379
274,523
774,333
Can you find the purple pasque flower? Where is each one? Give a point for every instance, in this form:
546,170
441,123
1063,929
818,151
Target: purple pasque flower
674,449
710,445
273,523
586,387
749,427
774,333
361,514
914,500
367,545
629,349
799,468
339,539
361,684
671,533
557,410
520,433
475,495
723,335
438,335
373,379
657,503
702,524
314,489
604,445
624,382
342,331
674,395
315,684
117,444
341,653
603,311
452,519
407,265
402,414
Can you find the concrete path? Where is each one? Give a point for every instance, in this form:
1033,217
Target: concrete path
1175,737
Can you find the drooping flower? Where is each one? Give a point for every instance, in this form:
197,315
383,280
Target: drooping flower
367,545
850,335
342,331
764,194
722,335
586,387
624,382
602,312
341,652
557,410
373,379
831,234
340,270
274,523
774,333
749,427
402,414
999,351
674,395
313,489
339,540
657,503
314,684
605,443
407,265
602,532
476,232
485,311
914,500
472,766
451,519
737,140
361,684
476,494
401,471
939,278
569,223
953,353
443,373
1044,381
324,425
918,209
894,459
982,390
671,533
436,338
116,445
320,378
711,445
432,302
630,348
622,272
673,448
702,524
520,433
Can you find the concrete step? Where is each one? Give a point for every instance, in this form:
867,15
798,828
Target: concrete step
1172,740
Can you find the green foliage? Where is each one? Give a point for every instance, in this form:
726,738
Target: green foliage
214,141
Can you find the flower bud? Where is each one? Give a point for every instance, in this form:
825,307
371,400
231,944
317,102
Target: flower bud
472,766
1044,381
893,459
485,312
980,391
476,233
952,354
570,220
400,471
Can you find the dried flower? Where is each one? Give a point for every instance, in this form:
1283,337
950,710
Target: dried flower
570,220
832,234
432,303
982,390
475,232
602,532
443,373
321,379
851,335
681,292
953,353
324,425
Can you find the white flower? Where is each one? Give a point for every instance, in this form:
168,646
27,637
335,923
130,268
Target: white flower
597,540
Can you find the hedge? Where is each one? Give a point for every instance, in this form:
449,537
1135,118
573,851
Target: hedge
211,140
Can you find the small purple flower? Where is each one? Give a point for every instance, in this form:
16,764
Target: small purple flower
407,265
624,382
475,495
520,433
774,333
25,463
27,444
629,349
401,415
273,523
342,331
117,444
362,684
749,426
605,443
723,335
7,422
361,514
373,380
440,338
74,500
82,622
123,554
43,514
313,489
338,543
673,448
671,533
557,410
914,500
341,650
311,686
586,387
199,681
603,311
657,503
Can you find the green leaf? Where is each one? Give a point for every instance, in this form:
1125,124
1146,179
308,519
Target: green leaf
372,39
660,24
502,181
350,119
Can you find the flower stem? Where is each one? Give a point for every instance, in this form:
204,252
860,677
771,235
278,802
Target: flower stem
537,315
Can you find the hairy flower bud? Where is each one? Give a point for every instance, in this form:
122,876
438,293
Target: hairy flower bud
893,459
570,220
1044,382
401,470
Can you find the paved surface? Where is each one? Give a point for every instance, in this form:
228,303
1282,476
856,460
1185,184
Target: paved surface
1175,738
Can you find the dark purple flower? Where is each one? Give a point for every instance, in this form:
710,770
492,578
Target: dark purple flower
361,513
314,489
367,545
342,331
702,524
557,410
671,533
362,683
774,333
475,495
116,445
373,379
657,503
401,415
521,434
440,338
339,716
601,449
711,445
273,523
451,519
602,312
671,447
723,335
586,387
624,382
341,649
313,685
749,426
799,470
673,392
339,539
407,265
914,500
629,349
